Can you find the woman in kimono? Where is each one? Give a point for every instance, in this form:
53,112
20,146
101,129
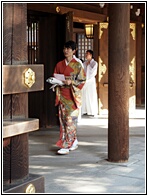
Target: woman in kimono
68,98
90,98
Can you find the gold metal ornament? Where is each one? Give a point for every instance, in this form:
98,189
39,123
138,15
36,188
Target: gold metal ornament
58,9
29,77
30,189
102,68
102,27
142,25
133,30
132,72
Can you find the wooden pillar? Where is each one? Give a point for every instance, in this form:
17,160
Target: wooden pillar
96,51
118,77
69,26
96,43
15,105
138,60
16,177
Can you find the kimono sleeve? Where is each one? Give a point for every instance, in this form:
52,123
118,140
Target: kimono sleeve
80,79
76,87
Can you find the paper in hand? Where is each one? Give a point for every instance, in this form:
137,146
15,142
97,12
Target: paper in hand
53,80
60,77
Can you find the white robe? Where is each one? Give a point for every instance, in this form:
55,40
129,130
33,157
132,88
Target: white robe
89,91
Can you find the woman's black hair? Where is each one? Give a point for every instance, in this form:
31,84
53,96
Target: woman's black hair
70,44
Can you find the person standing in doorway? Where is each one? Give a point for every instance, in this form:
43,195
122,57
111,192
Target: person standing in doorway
68,98
90,98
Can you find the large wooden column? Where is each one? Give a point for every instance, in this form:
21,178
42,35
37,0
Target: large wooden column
15,105
16,125
138,61
118,76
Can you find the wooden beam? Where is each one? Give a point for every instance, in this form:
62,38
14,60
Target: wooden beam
19,126
78,15
83,16
43,7
14,78
77,30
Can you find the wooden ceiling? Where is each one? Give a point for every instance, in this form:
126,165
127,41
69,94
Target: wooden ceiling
87,12
95,8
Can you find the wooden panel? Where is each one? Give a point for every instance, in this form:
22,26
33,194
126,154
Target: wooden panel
69,26
15,158
19,157
19,51
15,45
6,164
132,69
7,32
95,43
143,88
7,111
96,53
19,126
103,68
20,105
41,103
14,82
49,96
138,62
143,79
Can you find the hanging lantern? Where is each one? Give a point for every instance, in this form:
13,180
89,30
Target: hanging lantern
89,31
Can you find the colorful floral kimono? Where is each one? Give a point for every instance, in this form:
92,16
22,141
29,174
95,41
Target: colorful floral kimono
68,98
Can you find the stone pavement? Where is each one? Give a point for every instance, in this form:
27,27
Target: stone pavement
86,170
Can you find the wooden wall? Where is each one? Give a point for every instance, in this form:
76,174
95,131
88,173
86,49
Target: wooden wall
51,41
103,68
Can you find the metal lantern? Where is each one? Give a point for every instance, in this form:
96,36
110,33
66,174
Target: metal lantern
89,31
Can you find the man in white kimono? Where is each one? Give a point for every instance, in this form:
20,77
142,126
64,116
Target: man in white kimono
90,98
